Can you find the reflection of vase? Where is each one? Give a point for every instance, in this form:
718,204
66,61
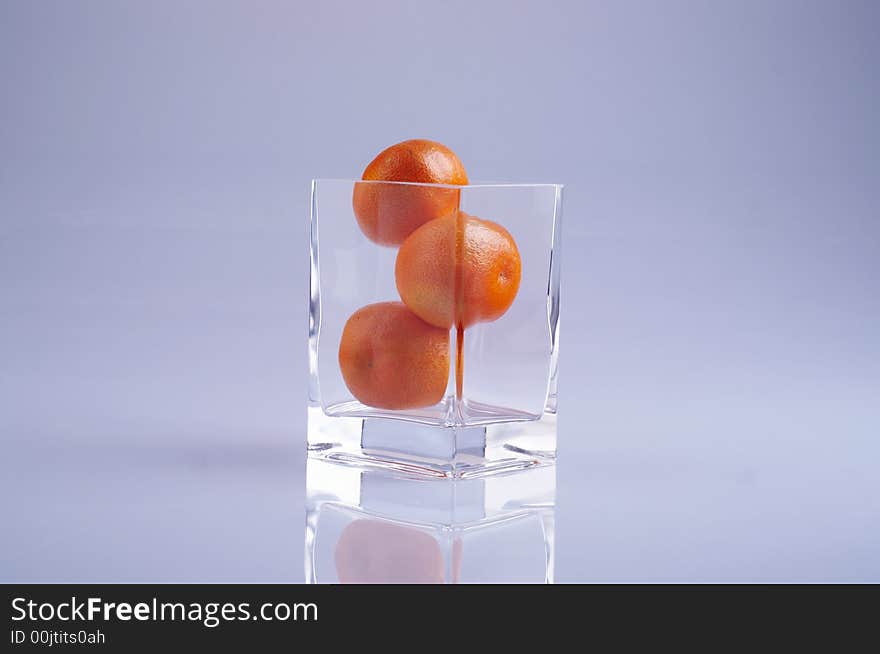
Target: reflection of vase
368,526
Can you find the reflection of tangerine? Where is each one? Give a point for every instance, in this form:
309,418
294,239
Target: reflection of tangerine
378,552
388,213
391,359
458,270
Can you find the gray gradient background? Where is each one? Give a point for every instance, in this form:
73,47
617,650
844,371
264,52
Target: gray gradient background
720,371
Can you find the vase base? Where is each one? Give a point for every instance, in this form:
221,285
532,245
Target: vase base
430,451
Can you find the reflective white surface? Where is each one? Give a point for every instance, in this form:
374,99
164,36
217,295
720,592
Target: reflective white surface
782,492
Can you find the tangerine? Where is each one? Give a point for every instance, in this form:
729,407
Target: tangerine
458,270
391,359
388,213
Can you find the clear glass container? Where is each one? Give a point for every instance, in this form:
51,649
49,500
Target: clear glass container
437,355
374,526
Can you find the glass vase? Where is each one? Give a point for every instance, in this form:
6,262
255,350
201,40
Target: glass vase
436,354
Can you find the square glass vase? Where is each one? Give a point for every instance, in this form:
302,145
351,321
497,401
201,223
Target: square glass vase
434,325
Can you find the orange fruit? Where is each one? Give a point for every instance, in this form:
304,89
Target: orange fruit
391,359
388,213
458,270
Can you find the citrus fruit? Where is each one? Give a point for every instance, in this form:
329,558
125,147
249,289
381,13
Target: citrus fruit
458,270
391,359
388,213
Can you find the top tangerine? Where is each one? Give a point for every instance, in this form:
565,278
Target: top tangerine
388,213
